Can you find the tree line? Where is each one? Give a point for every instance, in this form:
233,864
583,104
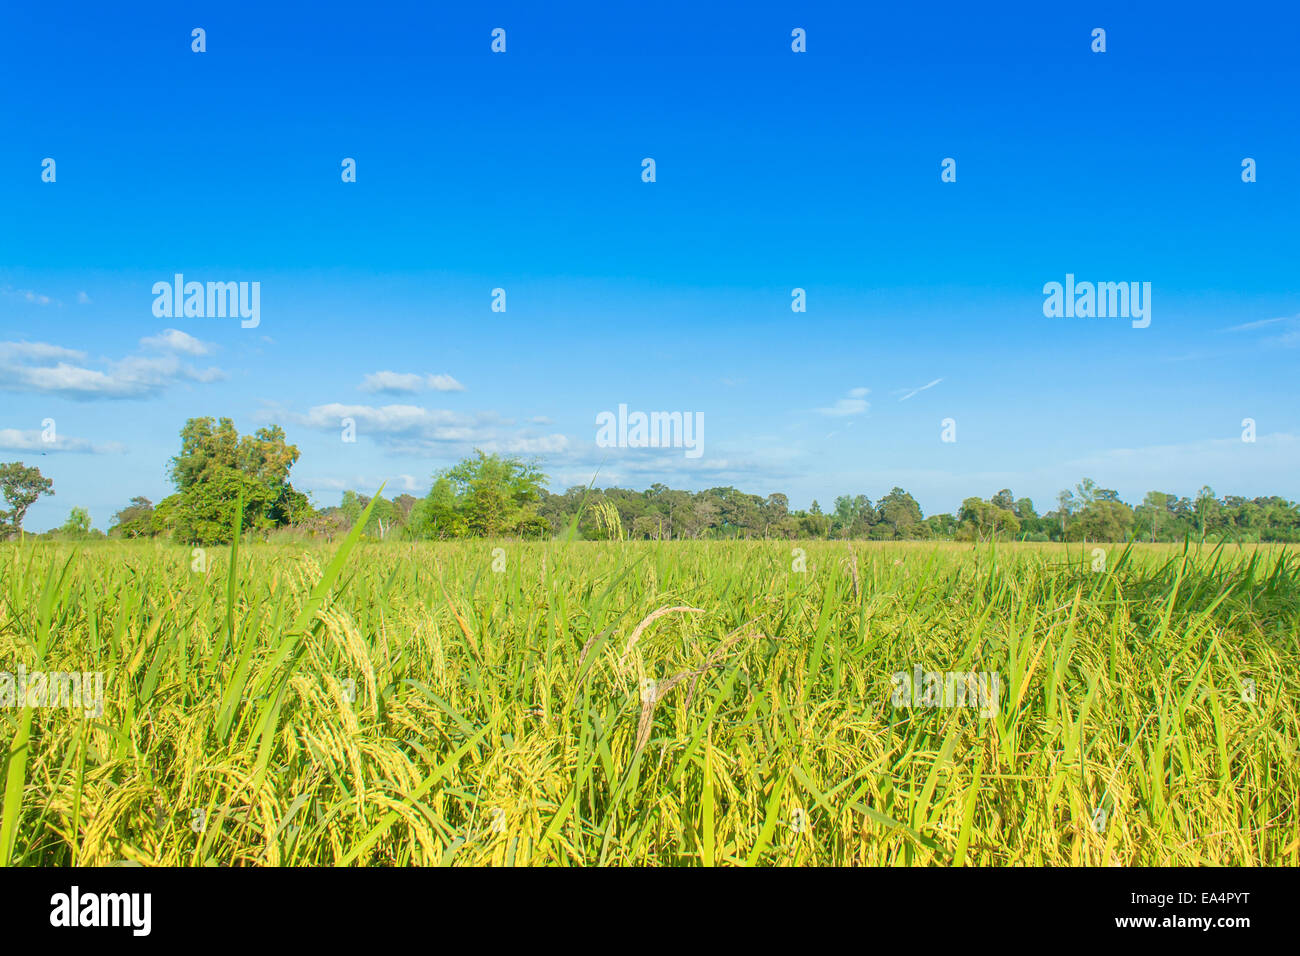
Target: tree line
495,496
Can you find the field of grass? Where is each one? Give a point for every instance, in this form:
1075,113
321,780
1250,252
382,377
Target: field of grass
392,704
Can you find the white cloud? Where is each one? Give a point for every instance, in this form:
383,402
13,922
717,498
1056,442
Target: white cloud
366,484
435,423
445,383
29,295
1260,324
328,484
916,391
855,404
37,351
1289,327
543,445
11,439
83,299
408,383
174,340
640,470
1213,459
53,370
414,429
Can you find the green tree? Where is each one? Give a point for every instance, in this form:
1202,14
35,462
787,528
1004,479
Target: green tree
1065,506
775,510
1086,492
900,512
1207,509
216,468
21,487
843,515
941,526
812,523
77,525
1154,506
404,504
497,495
135,520
1103,520
1004,500
982,520
437,515
648,526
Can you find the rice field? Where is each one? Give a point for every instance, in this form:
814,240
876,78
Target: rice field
676,703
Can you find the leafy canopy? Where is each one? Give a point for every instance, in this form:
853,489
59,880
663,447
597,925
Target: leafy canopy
216,468
21,486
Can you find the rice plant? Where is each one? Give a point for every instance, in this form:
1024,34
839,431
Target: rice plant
676,703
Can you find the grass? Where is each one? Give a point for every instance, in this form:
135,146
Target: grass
389,704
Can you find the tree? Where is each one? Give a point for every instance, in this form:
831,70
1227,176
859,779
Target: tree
436,516
813,524
77,525
648,526
216,468
1155,504
1207,507
384,516
941,525
1065,499
983,519
135,520
843,515
854,517
901,513
1103,520
21,486
326,523
404,504
775,510
1086,492
1004,500
497,495
740,515
704,516
680,510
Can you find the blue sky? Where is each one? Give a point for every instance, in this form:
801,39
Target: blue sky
774,170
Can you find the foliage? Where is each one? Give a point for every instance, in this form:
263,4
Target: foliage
984,521
21,486
405,704
496,496
216,467
136,520
487,495
77,525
